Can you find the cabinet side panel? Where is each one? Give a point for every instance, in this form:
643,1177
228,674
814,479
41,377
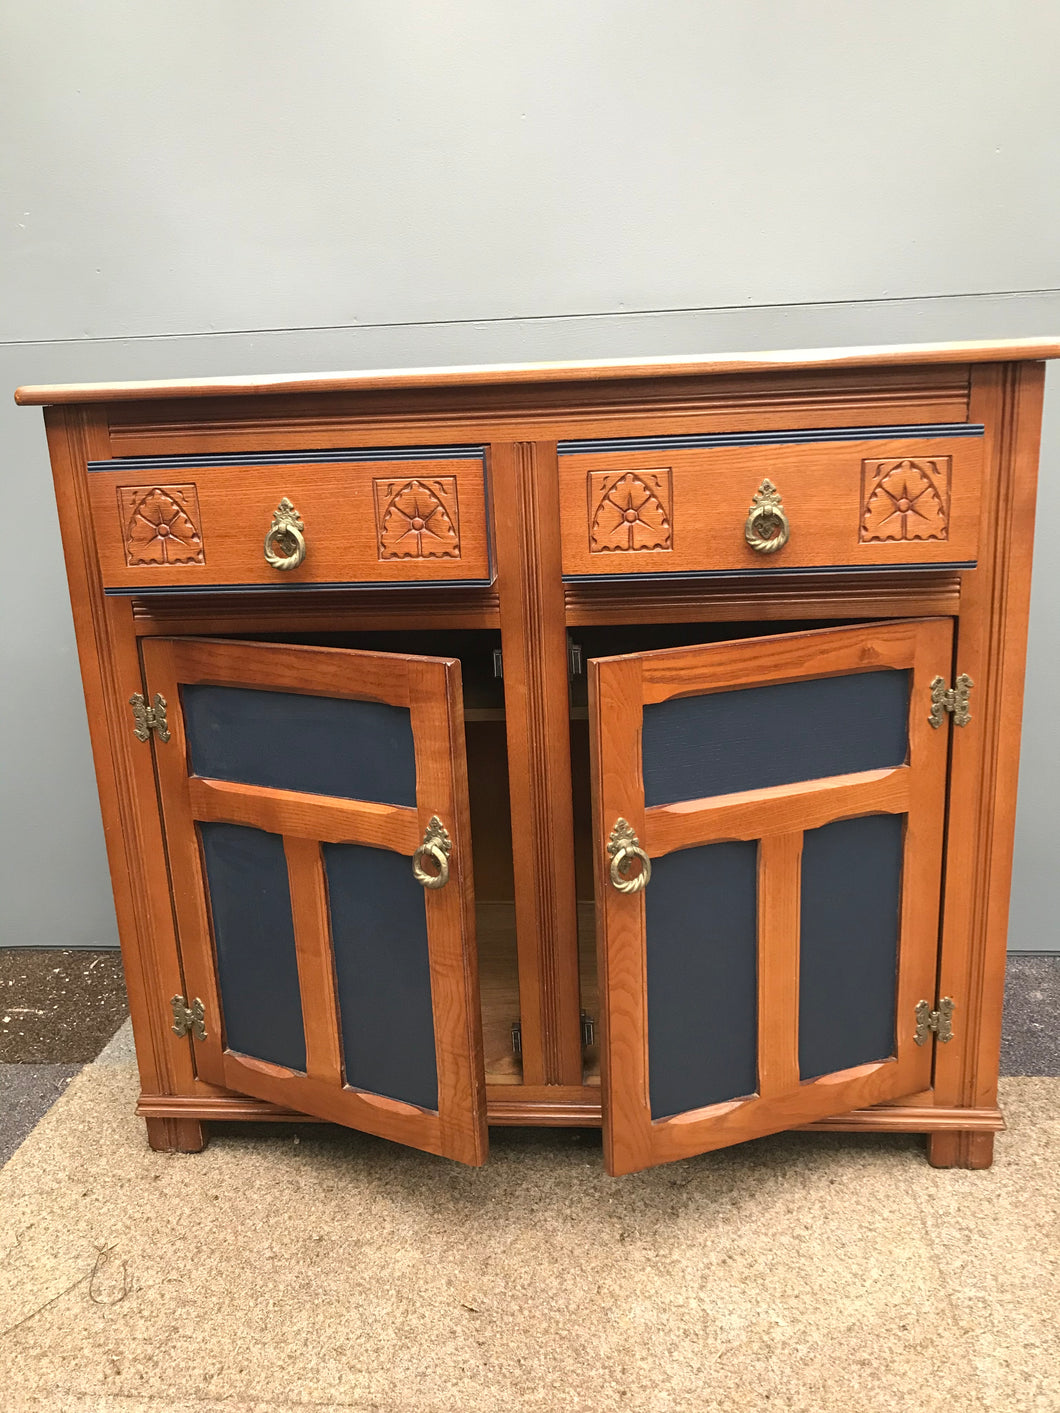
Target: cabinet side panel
110,672
991,649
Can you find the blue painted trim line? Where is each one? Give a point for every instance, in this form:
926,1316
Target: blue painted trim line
175,591
673,576
292,458
820,434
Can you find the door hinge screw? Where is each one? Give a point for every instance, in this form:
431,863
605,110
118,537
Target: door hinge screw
940,1022
189,1020
149,718
950,699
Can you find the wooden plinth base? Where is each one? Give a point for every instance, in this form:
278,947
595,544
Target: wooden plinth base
960,1149
172,1135
957,1138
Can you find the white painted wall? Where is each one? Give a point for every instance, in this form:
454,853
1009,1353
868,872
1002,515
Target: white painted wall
251,186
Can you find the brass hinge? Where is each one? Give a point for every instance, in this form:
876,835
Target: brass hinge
189,1020
940,1022
950,699
149,718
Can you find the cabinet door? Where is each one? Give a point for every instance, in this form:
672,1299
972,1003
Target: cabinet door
334,955
768,823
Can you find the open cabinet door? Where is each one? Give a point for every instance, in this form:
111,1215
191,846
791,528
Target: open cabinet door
768,825
316,820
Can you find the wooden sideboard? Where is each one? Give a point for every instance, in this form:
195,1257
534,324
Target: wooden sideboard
629,743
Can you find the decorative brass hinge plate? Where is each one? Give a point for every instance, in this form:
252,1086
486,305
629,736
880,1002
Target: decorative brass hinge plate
940,1022
189,1020
149,718
950,699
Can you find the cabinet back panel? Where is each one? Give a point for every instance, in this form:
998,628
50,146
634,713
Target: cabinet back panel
702,976
354,750
851,891
382,973
759,737
257,968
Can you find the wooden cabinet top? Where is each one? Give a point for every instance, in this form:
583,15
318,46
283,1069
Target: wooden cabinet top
502,374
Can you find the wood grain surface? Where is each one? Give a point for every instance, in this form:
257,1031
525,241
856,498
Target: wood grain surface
519,413
619,688
360,522
691,506
514,373
431,689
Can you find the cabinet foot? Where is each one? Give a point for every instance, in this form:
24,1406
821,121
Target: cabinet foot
176,1135
957,1149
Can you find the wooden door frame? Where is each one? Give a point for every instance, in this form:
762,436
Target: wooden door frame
430,689
619,690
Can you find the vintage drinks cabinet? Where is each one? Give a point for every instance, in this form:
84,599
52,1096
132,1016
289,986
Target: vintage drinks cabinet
630,743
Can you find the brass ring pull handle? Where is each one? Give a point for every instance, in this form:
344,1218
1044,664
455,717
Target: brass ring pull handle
286,536
767,527
438,845
623,847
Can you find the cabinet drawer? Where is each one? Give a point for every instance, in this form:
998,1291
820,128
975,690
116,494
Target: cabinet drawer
844,498
361,517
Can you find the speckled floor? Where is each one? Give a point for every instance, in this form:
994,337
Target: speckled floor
282,1272
292,1269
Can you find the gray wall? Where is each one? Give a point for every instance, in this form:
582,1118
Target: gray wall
192,188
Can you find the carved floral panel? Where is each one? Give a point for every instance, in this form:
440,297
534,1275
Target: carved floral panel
905,499
161,525
417,518
630,510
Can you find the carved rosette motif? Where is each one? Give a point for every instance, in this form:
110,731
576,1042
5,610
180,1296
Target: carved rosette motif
160,525
905,499
630,510
417,519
